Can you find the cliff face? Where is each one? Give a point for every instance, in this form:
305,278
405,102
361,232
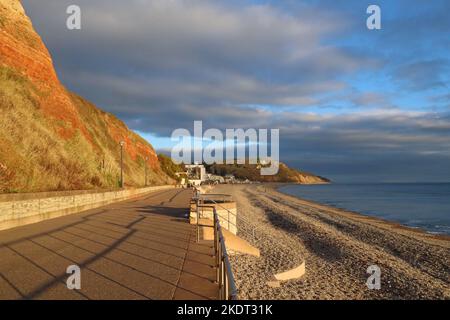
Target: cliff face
291,175
50,138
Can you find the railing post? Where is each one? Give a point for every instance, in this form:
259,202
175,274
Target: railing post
217,245
219,269
222,263
226,286
219,257
198,218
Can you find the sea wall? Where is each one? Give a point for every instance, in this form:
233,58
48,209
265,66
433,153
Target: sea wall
21,209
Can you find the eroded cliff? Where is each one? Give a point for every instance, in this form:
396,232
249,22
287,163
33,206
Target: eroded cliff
50,138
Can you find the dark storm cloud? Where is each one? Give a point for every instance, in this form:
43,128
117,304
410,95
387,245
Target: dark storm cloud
175,53
375,147
159,65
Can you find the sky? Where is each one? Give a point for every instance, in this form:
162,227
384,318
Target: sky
351,104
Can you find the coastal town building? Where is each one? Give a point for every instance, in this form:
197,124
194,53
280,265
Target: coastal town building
196,174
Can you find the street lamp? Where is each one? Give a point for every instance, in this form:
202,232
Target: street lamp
121,163
145,168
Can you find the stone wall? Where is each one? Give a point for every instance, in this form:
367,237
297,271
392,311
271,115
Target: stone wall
22,209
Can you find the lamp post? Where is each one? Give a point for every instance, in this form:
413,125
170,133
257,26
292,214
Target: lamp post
145,168
121,164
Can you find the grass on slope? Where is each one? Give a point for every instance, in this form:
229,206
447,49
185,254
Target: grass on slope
34,158
253,173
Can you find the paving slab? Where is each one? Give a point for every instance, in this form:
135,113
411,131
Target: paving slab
144,248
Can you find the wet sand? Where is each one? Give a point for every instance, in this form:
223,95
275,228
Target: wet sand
337,246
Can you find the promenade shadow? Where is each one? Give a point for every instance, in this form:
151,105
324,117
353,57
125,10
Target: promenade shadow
172,212
149,252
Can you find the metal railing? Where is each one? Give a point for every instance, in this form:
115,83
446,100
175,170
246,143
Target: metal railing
218,199
224,276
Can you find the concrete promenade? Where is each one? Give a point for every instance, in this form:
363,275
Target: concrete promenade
138,249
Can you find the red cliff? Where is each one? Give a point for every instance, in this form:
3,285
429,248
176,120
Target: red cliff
50,138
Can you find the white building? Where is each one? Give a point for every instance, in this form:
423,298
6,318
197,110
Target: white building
196,174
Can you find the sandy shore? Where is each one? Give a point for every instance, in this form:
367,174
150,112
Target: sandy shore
337,247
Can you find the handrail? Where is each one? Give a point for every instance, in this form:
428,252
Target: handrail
218,194
232,213
228,210
225,278
224,197
221,217
220,205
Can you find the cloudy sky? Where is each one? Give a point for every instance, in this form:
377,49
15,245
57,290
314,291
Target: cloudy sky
351,104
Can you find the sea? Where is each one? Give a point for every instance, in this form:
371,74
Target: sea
418,205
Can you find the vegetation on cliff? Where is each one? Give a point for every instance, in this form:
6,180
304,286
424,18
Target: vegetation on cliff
169,167
252,173
50,138
35,156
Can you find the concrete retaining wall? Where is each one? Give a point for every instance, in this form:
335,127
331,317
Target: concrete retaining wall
18,210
